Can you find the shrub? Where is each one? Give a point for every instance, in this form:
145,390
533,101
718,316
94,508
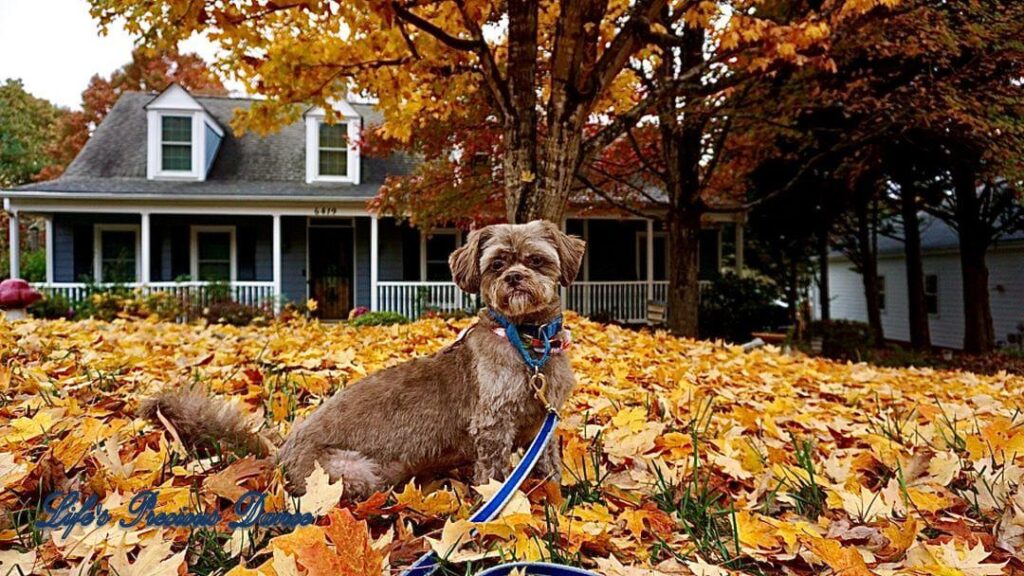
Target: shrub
843,339
457,314
52,307
733,307
379,319
229,312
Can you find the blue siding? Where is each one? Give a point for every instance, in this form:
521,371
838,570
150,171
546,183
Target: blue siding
363,262
293,258
390,256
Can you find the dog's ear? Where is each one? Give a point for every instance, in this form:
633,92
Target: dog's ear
570,253
465,262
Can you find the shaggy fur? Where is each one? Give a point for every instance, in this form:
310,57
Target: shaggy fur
471,403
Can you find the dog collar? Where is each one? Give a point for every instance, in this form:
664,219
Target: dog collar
543,340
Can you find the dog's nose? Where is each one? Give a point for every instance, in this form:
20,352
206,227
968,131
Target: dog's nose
514,278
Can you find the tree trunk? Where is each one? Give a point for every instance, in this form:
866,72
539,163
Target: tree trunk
684,283
979,333
920,336
522,201
869,270
824,298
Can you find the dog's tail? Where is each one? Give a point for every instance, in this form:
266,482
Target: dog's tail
205,423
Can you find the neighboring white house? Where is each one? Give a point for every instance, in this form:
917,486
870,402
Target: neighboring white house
942,286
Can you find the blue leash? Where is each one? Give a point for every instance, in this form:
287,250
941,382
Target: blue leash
428,563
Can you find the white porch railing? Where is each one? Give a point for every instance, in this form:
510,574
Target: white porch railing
197,293
625,301
412,299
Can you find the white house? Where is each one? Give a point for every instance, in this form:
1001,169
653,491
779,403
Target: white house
942,286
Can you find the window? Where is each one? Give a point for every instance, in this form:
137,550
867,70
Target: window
931,293
116,253
213,253
176,143
333,159
881,293
436,249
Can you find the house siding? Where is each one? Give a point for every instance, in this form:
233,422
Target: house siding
73,242
1006,291
391,254
293,258
363,262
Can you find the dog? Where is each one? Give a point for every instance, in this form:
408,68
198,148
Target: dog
471,403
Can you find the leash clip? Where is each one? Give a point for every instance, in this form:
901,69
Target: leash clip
539,383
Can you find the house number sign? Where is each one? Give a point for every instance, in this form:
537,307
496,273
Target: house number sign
325,211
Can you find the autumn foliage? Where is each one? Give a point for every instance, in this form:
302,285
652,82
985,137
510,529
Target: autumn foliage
680,457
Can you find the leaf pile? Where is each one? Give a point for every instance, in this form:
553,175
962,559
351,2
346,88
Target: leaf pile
681,457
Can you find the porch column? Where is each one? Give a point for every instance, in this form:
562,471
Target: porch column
374,268
739,247
650,259
15,239
49,249
277,262
145,273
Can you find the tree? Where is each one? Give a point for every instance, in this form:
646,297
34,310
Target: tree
148,71
546,70
27,128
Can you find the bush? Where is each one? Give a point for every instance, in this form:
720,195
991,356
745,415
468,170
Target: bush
52,307
229,312
733,307
379,319
843,339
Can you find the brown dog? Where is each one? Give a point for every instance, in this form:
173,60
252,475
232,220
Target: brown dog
471,403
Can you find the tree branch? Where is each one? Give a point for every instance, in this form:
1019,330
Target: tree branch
425,25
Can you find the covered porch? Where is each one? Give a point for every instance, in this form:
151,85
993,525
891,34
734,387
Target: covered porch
338,255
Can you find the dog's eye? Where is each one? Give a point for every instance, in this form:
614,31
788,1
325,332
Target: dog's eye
497,265
535,261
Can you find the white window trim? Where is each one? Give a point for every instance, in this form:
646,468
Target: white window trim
423,246
641,240
194,232
313,124
97,247
155,165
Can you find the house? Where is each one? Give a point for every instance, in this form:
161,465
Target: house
941,256
165,197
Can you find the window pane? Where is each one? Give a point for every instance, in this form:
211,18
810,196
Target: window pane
176,129
439,246
881,292
333,136
214,245
931,284
333,163
118,256
933,303
438,272
176,157
214,271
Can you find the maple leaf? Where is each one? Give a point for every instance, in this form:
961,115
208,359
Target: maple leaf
152,560
226,482
320,494
950,558
842,560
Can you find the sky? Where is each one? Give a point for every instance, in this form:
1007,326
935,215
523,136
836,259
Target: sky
54,47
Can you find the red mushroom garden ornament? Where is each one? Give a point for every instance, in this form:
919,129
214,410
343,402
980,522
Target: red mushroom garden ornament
16,295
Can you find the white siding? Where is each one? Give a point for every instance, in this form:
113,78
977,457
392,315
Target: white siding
1006,285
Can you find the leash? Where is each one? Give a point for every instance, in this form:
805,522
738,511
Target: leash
428,563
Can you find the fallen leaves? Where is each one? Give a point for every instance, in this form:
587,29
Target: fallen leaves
681,458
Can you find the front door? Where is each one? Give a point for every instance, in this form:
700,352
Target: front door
330,270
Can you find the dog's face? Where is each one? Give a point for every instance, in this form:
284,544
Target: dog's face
517,268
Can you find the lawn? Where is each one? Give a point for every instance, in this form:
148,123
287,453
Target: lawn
680,457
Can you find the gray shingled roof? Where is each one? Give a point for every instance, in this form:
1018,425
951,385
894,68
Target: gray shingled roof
114,160
936,235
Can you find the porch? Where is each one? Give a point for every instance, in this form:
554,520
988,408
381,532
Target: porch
343,261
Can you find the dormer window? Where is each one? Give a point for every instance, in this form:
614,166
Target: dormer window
183,138
176,143
332,151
